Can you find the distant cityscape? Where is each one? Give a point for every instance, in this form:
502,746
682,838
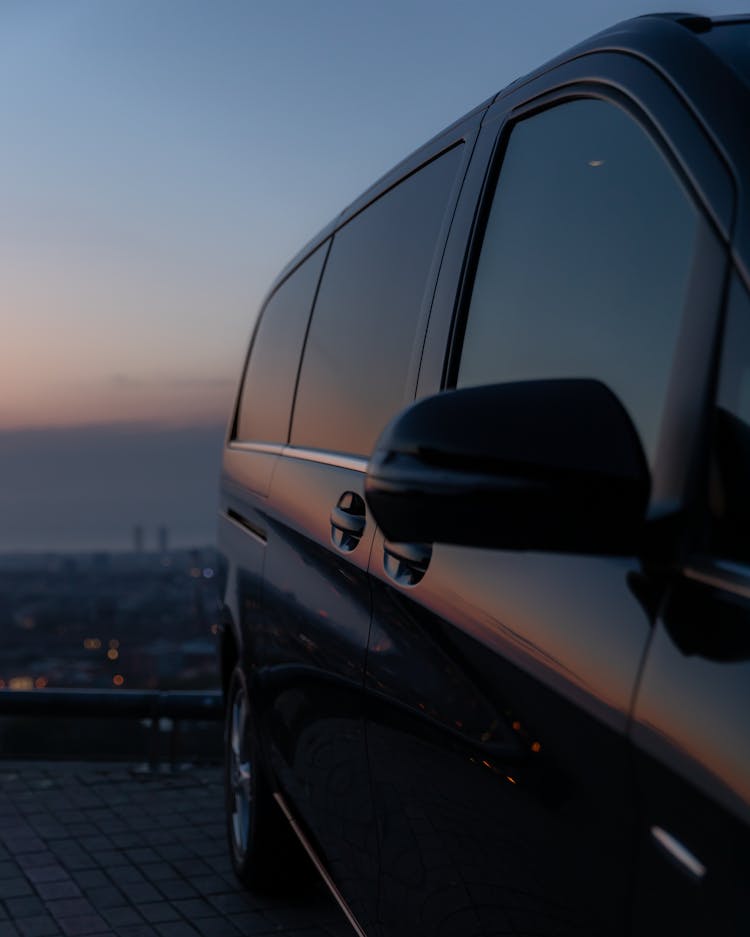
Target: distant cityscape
145,618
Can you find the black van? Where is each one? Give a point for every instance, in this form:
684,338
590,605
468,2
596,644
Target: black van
485,515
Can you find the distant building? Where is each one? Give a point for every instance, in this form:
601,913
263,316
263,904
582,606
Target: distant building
138,538
162,536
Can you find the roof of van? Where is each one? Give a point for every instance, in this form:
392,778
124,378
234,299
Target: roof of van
642,36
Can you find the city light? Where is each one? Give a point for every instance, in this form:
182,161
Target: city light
107,595
118,679
21,683
40,683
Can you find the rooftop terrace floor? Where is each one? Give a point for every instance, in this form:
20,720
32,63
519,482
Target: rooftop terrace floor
108,849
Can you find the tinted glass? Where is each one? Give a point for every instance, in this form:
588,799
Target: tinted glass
585,261
354,372
730,474
268,388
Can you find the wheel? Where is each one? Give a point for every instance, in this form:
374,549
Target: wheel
265,853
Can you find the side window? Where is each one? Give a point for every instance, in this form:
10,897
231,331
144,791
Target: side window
359,347
268,388
584,266
730,469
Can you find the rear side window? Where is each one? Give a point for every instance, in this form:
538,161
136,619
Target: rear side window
730,470
584,268
271,373
358,351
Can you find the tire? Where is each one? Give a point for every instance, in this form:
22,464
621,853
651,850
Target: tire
265,853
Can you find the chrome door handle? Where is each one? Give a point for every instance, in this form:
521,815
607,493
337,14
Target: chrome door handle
348,519
406,563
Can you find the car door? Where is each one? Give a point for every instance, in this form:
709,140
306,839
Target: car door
312,643
690,721
500,683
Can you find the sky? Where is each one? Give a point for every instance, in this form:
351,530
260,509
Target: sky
161,160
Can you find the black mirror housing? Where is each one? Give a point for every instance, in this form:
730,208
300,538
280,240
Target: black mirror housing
551,465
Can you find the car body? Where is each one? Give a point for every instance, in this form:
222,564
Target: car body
484,520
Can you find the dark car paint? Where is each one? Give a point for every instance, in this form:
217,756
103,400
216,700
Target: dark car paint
458,752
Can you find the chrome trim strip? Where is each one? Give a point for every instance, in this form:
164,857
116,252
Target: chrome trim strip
245,526
336,459
680,853
319,866
351,462
264,447
733,568
727,576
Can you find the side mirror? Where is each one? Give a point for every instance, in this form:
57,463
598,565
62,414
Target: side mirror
536,465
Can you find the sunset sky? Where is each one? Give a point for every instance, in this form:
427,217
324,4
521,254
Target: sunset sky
162,159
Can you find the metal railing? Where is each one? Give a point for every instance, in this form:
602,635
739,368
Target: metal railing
153,705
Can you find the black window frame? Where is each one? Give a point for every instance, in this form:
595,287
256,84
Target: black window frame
233,438
547,102
673,482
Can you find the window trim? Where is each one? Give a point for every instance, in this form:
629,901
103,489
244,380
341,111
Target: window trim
232,437
575,91
676,474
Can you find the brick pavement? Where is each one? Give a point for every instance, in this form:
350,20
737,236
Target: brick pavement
100,849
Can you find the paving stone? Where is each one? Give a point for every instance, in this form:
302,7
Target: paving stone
140,892
172,852
76,861
37,859
181,929
47,873
69,907
208,884
135,930
177,889
193,908
82,925
38,926
159,912
191,867
106,851
117,917
24,907
91,878
106,896
159,872
15,888
252,922
216,927
51,890
126,875
95,844
231,902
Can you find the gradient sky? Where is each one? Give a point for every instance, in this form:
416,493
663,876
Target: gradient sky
162,159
